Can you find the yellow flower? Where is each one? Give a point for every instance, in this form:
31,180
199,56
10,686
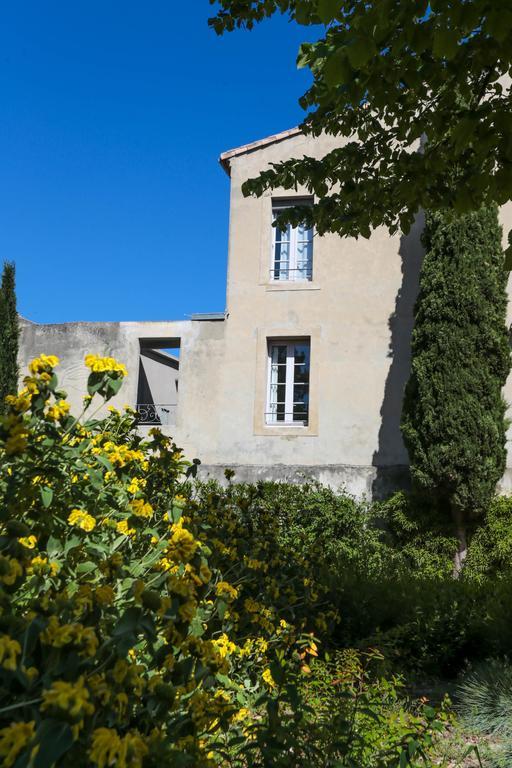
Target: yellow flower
9,651
123,527
182,545
28,541
104,594
135,485
17,439
224,646
268,679
14,739
31,385
10,570
119,455
204,573
58,635
187,611
30,672
105,364
82,519
252,606
58,410
70,697
141,508
261,644
242,714
20,402
109,749
227,591
40,566
43,363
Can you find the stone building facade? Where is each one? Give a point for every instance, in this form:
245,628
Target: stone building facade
303,375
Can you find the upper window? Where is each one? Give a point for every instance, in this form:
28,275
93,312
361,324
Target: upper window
292,249
288,382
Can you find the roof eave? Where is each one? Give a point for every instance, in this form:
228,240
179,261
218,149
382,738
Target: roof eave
225,158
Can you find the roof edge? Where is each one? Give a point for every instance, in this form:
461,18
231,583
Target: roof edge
225,157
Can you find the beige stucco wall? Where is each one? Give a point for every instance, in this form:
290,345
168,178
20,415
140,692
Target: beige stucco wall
199,341
357,311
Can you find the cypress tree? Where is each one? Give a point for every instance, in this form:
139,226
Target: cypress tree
9,333
453,419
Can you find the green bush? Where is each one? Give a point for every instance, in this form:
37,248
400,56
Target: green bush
387,571
338,533
146,623
363,719
130,634
490,552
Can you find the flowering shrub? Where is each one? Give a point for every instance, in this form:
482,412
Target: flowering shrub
136,627
148,622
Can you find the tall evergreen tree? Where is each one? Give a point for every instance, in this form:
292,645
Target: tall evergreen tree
9,334
453,419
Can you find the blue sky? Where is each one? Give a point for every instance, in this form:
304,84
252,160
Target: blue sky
113,115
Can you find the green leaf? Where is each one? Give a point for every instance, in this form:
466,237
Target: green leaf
337,70
445,43
54,739
103,460
221,608
361,51
46,495
328,10
129,622
84,568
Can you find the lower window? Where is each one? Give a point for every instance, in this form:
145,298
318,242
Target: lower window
288,382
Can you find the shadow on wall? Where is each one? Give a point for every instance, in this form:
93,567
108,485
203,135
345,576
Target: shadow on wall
390,459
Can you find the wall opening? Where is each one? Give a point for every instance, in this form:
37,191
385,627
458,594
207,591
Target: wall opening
158,383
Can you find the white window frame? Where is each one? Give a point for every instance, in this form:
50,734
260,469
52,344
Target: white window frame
292,269
270,414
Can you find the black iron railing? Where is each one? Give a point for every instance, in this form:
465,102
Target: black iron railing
159,414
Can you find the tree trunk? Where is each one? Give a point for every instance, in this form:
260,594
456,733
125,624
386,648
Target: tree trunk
462,546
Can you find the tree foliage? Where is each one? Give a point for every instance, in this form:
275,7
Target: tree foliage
453,418
9,333
385,76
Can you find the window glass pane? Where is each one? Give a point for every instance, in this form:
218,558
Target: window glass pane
304,234
301,374
281,260
279,354
304,260
301,393
300,413
280,393
301,353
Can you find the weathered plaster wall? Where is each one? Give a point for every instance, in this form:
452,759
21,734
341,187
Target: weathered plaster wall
198,366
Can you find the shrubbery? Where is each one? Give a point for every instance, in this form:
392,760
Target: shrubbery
146,622
387,569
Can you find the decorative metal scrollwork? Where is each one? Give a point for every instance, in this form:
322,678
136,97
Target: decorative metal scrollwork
158,414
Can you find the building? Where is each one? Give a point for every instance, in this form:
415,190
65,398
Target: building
304,373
